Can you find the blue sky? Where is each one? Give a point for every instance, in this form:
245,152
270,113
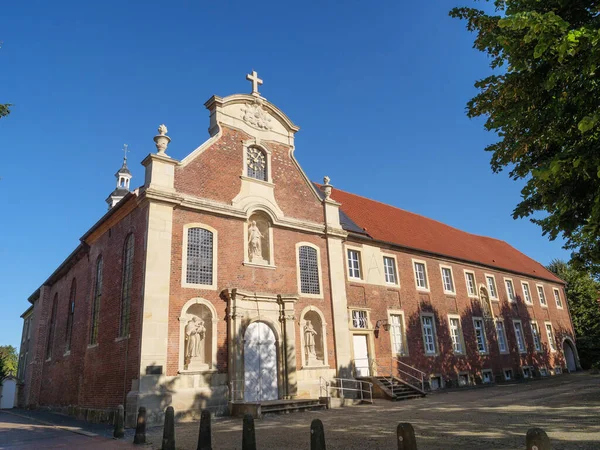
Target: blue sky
378,88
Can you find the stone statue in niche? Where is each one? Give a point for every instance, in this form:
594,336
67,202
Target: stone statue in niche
258,245
195,333
485,304
309,343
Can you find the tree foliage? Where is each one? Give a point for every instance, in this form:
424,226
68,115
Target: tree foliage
543,101
5,110
8,361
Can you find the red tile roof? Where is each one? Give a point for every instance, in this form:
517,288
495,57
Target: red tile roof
394,225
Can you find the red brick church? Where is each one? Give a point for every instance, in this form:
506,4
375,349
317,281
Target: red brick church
229,276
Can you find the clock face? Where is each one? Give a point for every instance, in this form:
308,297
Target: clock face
256,160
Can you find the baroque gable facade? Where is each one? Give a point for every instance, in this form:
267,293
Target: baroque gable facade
229,276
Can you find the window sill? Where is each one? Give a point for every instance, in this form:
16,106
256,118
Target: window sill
211,287
256,180
122,338
453,294
494,299
420,289
315,296
90,346
67,353
544,306
258,266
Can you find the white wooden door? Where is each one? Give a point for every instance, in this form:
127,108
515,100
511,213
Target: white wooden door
8,389
361,355
260,363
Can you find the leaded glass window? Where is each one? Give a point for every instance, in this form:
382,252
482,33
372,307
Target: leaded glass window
199,268
51,328
127,283
96,303
309,270
257,164
70,315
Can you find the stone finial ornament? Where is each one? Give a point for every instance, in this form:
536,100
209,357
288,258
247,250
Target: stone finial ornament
162,140
326,188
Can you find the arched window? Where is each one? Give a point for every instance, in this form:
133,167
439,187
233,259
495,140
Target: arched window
256,161
199,268
96,303
51,326
309,270
127,281
70,315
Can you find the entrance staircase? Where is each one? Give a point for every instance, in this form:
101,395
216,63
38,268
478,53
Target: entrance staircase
396,380
289,406
394,389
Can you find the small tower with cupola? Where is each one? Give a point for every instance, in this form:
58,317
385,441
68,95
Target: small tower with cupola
123,177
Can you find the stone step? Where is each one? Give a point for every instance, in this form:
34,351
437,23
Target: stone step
292,407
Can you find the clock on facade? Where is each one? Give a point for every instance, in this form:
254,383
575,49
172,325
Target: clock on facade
257,164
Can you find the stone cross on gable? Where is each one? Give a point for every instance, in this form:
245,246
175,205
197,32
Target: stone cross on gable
255,82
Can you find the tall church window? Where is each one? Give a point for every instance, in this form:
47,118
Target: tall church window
199,269
96,303
51,326
309,270
70,315
127,282
256,160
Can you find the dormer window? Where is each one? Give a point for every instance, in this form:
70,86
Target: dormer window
257,164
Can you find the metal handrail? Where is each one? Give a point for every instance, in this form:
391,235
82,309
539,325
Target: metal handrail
233,390
362,391
420,379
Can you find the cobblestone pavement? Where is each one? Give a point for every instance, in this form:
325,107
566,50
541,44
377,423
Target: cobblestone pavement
19,432
497,417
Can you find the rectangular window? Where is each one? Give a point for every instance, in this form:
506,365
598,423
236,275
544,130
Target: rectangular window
389,268
491,282
501,335
526,293
456,335
519,335
470,279
508,374
309,270
199,269
535,332
428,334
550,335
542,296
557,298
526,371
480,335
557,370
420,275
353,264
486,376
96,303
447,280
359,319
463,379
397,333
543,372
510,290
435,383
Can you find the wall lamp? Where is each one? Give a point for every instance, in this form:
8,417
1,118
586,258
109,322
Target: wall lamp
384,324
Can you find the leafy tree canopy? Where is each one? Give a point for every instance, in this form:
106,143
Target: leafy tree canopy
5,110
544,104
8,361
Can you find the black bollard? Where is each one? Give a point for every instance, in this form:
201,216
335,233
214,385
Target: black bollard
248,436
406,437
317,435
204,436
140,428
119,423
537,439
168,442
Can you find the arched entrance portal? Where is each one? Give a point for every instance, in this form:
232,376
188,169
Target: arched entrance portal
569,353
260,363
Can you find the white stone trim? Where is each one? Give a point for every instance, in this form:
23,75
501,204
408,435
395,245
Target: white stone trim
487,287
323,336
484,332
537,286
199,150
417,287
514,299
530,302
398,312
460,334
446,266
512,372
360,263
182,324
319,268
476,293
554,291
184,245
520,322
392,256
531,371
435,335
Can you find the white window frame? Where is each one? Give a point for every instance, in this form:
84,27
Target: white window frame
530,372
184,257
474,294
469,378
557,298
530,301
487,285
367,319
442,382
535,330
414,267
308,244
398,312
512,374
537,288
514,293
543,371
506,349
434,331
453,291
551,339
395,262
360,266
490,371
460,337
486,349
522,341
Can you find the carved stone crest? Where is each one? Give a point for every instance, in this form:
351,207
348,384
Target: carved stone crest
255,116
